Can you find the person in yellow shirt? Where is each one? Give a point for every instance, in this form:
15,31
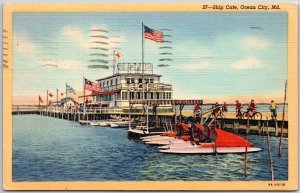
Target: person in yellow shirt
273,108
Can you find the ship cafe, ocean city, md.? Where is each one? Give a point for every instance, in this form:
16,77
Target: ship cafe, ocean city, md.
126,84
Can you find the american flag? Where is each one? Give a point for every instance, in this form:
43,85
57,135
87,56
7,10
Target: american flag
91,86
70,89
153,34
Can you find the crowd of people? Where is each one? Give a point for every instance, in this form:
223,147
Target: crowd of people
251,108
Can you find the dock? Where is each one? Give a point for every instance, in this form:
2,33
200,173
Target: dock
234,125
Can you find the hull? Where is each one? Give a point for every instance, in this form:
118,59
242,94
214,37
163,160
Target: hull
119,124
206,150
166,141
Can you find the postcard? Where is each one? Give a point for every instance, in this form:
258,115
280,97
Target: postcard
150,96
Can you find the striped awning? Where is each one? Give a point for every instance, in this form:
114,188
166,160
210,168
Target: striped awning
101,93
166,102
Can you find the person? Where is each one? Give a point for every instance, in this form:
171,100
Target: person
154,109
238,107
197,109
273,108
224,107
216,109
251,107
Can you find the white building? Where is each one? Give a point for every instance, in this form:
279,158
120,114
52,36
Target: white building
130,82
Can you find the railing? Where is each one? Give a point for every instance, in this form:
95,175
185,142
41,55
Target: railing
138,86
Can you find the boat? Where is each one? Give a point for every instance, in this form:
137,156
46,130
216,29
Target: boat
119,124
84,122
94,123
224,142
210,150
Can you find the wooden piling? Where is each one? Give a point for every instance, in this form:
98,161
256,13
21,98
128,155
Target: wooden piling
276,129
233,126
259,127
246,163
270,152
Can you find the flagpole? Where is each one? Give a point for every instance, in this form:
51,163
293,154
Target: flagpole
39,101
114,62
83,89
47,103
143,61
66,91
57,97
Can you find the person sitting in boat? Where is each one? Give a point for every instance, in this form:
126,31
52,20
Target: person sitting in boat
238,107
251,108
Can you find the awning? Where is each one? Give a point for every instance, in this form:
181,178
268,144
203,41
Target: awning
101,93
166,102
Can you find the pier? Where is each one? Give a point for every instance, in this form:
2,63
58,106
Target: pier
239,126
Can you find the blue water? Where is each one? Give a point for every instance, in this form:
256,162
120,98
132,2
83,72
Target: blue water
49,149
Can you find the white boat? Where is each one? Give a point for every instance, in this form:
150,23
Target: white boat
149,137
156,138
94,123
209,150
165,141
104,123
119,124
84,122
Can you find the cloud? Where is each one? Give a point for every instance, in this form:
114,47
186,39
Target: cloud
254,42
74,33
247,63
24,45
65,64
204,64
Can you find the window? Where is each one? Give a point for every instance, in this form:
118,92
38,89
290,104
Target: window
131,95
111,82
149,80
140,80
151,95
124,95
164,95
116,81
107,83
157,95
129,80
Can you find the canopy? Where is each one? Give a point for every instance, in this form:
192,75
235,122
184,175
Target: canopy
166,102
101,93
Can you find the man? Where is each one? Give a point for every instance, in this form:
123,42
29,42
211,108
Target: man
252,107
238,107
273,108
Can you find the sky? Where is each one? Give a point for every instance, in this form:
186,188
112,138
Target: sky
215,56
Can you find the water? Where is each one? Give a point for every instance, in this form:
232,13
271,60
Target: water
49,149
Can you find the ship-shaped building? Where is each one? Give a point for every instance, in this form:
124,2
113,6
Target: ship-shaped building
131,81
